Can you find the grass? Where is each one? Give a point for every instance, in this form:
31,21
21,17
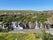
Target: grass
18,36
26,36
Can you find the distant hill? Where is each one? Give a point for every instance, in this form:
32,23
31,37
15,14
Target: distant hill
24,11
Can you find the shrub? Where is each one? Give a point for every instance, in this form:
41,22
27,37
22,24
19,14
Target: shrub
3,30
44,35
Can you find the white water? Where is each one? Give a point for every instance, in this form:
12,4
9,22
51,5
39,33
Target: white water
41,25
14,26
36,27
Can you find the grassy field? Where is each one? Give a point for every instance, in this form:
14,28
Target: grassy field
19,36
26,36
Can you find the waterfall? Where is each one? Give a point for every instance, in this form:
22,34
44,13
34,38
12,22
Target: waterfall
37,26
19,27
14,24
41,25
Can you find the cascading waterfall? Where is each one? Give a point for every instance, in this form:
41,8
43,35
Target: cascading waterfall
41,25
36,27
15,26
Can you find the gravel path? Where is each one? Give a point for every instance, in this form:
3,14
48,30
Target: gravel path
31,30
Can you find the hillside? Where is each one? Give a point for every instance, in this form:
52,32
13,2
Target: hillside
25,15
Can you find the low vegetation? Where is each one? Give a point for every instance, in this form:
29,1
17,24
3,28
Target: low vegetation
26,36
23,16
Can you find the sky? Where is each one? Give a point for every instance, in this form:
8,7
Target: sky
26,4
